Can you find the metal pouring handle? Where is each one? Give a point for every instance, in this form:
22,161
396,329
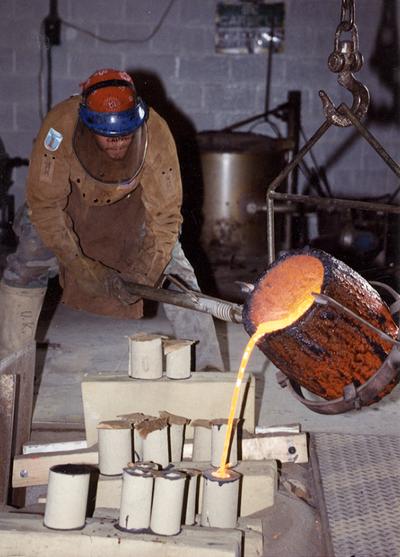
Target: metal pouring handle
190,299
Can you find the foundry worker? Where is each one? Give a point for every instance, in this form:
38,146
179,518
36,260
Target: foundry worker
104,196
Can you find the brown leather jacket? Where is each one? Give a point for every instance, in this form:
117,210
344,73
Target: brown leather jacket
128,221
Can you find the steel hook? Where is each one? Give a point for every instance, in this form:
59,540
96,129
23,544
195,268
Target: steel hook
360,101
344,60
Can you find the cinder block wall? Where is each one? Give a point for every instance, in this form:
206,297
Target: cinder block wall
203,89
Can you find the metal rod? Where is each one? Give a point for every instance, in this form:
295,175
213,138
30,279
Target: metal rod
280,178
335,202
270,229
323,299
300,155
221,309
371,140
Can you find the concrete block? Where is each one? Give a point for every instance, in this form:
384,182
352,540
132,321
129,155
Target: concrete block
85,65
27,116
167,40
253,541
204,395
149,12
153,64
17,87
24,535
314,10
124,30
221,97
13,32
209,69
105,11
26,9
259,486
243,71
6,60
194,40
195,13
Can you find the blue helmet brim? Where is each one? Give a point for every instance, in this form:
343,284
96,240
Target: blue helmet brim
112,124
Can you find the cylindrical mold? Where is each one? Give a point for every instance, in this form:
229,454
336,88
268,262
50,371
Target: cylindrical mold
320,345
177,426
176,439
135,418
115,446
154,435
166,514
67,496
191,495
178,358
136,495
137,446
201,441
220,499
218,435
145,356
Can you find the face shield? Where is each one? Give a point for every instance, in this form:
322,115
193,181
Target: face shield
111,109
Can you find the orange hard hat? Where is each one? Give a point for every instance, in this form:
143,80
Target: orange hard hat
114,98
110,106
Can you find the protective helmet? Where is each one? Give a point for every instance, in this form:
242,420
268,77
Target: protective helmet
110,106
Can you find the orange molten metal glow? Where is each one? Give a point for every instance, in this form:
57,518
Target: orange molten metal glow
281,307
285,293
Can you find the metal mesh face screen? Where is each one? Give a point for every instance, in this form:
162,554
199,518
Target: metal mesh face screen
360,479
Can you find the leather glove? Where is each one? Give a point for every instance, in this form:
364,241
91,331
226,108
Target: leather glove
117,289
98,280
89,275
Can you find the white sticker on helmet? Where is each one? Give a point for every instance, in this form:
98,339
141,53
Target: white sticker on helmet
53,140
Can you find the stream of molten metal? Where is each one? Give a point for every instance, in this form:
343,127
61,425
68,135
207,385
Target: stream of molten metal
263,328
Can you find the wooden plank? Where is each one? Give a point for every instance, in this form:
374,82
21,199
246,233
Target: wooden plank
25,535
22,364
33,469
55,446
285,448
8,386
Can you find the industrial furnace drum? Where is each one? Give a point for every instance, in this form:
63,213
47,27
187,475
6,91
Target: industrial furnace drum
236,168
319,309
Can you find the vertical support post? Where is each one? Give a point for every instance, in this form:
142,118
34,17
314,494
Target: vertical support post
21,364
8,386
293,133
280,178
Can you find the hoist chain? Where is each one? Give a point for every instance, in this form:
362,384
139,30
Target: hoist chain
347,15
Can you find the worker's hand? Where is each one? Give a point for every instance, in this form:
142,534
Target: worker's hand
116,288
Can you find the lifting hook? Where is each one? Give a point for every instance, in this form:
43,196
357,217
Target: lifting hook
345,60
